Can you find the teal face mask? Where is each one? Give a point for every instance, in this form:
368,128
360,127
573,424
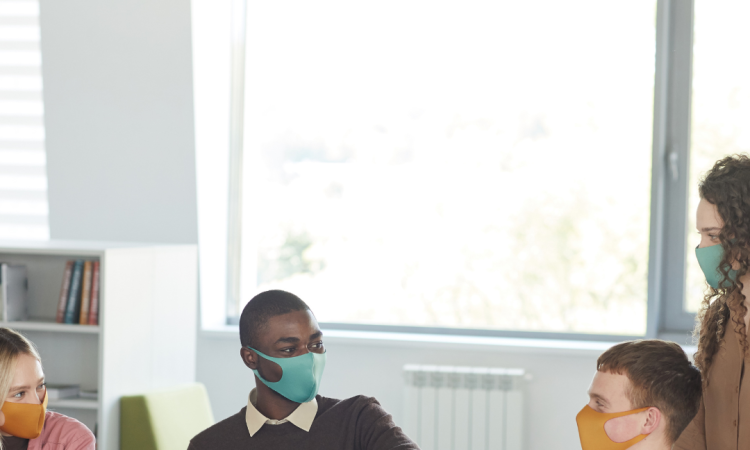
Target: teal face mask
300,375
709,259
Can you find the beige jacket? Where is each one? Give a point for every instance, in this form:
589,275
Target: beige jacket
723,420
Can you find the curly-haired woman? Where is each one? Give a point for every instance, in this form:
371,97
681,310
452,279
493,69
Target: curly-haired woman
723,221
25,422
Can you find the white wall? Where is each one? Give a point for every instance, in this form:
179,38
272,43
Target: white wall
119,120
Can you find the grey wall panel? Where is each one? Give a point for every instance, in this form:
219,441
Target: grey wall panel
118,96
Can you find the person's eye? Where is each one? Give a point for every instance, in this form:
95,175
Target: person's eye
42,386
289,350
318,344
19,394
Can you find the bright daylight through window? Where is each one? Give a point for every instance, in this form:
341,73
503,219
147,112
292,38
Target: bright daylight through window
23,177
464,164
721,108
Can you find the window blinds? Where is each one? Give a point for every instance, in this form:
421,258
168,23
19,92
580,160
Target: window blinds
23,176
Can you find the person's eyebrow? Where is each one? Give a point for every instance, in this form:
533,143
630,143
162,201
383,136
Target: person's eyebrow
290,340
599,397
19,388
316,335
707,229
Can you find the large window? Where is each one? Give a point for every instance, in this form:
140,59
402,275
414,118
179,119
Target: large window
466,164
480,167
23,178
721,106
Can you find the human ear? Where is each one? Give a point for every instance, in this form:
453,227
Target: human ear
653,419
249,357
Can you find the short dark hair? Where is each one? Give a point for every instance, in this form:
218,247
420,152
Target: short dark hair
261,308
661,376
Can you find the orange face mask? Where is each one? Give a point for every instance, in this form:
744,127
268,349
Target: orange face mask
592,433
24,420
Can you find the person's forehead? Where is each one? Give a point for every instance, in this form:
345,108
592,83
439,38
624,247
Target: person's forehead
708,215
27,366
611,386
291,323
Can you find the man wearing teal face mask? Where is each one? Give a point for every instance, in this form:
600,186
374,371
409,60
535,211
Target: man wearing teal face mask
283,346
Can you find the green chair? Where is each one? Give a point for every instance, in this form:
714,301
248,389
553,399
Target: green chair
165,419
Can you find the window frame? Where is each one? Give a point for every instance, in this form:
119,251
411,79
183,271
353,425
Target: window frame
666,314
670,170
236,151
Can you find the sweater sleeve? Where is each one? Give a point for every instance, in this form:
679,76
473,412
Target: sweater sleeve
694,436
85,442
376,430
63,433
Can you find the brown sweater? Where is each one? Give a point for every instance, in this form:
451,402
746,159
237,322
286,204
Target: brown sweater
357,423
723,420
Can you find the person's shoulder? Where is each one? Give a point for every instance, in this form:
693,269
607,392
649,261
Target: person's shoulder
363,416
57,421
356,403
230,427
61,429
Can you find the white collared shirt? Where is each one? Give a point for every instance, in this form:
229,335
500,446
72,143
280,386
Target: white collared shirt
302,417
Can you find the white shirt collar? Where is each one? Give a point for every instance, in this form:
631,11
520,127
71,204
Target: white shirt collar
302,417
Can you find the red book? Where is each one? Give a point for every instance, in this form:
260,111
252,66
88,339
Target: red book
94,302
64,292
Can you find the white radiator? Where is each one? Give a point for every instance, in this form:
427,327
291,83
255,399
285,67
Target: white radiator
464,408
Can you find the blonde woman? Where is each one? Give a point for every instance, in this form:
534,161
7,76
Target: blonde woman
25,422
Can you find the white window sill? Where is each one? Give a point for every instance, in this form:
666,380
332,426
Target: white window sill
422,341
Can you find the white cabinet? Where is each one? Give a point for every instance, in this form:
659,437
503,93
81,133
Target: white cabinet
147,323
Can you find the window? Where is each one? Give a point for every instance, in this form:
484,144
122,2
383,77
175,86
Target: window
451,165
721,107
485,168
23,178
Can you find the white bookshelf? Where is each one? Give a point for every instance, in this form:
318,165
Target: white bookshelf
47,325
147,324
73,403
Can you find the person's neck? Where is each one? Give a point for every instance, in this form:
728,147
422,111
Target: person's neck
652,442
272,404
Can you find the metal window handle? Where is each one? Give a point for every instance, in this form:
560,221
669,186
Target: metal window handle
673,167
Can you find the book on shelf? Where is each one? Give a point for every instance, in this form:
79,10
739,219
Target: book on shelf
89,395
13,290
74,293
79,293
83,317
61,391
63,302
94,302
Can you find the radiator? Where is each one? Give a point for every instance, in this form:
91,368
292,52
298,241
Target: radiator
463,408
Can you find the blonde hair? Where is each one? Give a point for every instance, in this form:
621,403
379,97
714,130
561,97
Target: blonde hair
12,344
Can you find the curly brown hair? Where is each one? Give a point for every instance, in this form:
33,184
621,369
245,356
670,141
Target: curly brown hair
726,185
